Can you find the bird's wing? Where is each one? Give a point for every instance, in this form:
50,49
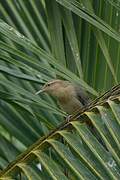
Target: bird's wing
82,95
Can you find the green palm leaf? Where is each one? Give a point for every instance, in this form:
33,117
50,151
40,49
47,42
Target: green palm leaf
73,40
81,151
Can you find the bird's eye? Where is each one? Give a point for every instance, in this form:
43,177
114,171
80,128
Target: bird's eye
48,85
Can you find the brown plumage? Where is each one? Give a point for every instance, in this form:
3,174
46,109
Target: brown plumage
70,97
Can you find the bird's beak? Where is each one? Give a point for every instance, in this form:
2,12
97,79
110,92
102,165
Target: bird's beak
40,91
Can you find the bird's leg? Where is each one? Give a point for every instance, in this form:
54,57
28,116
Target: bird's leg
68,118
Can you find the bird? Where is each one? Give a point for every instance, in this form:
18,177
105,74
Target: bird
71,97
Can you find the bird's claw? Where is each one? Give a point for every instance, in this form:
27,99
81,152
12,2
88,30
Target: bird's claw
68,118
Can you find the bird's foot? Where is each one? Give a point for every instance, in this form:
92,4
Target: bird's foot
68,118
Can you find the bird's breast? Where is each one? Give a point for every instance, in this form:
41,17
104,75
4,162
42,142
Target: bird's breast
70,105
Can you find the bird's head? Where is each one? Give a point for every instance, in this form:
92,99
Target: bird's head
56,88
